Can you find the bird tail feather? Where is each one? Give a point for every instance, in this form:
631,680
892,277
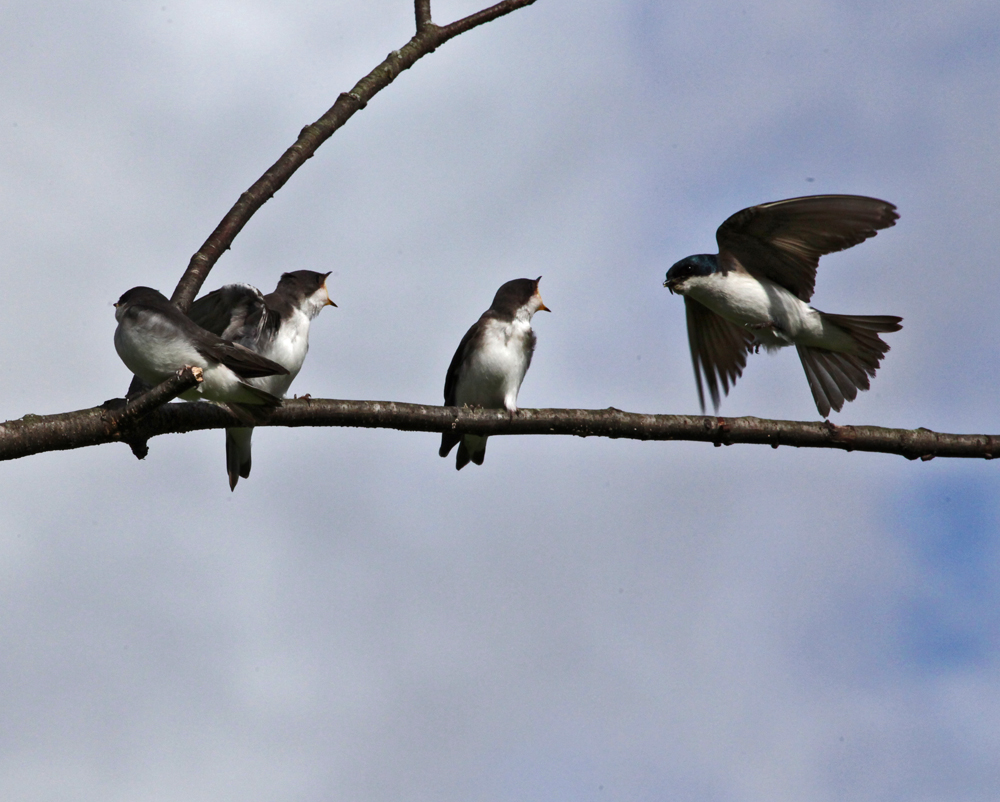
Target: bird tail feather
251,395
238,454
836,376
461,456
448,441
249,414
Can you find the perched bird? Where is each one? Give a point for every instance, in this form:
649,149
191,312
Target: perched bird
276,326
755,292
490,363
154,339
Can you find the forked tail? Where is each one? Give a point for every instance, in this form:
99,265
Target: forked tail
836,376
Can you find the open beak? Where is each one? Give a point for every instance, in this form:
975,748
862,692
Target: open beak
329,300
669,285
541,306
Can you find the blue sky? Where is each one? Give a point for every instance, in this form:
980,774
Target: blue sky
577,619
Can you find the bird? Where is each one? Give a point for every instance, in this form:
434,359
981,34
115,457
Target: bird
276,326
755,292
155,339
490,363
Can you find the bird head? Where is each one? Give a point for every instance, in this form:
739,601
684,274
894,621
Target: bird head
702,264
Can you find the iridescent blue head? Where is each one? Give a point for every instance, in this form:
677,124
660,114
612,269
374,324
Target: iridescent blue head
702,264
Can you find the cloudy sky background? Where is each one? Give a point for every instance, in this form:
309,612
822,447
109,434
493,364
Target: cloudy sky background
577,619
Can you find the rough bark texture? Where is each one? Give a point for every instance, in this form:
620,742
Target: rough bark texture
116,420
33,433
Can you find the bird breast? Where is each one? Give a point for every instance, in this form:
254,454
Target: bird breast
153,348
494,368
288,348
774,315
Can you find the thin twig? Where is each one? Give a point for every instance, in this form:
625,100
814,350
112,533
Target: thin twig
139,407
33,434
426,40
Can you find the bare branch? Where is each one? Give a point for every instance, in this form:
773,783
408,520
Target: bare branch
422,11
140,406
426,40
114,420
486,15
33,434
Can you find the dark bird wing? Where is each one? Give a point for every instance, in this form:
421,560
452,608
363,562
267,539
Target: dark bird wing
450,439
455,368
233,312
783,241
238,317
242,361
718,347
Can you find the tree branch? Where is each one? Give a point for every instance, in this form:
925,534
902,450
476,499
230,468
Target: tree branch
115,420
426,40
422,12
33,434
130,412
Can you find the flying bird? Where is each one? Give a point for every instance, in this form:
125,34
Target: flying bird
155,339
755,292
276,326
490,363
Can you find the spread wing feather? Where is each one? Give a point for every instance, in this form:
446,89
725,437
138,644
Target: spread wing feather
783,241
718,348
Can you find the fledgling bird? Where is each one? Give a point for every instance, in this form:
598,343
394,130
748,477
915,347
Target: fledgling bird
155,339
490,363
276,326
755,292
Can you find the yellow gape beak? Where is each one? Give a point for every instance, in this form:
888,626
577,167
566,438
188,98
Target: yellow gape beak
541,305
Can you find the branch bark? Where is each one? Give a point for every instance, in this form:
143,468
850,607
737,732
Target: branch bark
426,40
33,434
116,420
422,12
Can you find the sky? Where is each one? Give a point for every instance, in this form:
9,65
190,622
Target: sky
577,619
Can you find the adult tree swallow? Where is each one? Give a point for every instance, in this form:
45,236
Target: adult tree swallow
276,326
755,292
154,339
490,363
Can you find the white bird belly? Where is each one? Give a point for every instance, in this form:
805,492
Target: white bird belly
288,348
492,374
152,357
771,313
